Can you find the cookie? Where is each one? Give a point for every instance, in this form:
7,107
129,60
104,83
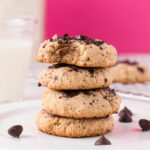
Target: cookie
69,77
79,50
81,103
129,72
72,127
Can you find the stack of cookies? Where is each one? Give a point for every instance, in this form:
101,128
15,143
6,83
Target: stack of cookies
78,101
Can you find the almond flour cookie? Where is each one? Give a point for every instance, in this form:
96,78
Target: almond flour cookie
81,103
69,77
72,127
79,50
129,72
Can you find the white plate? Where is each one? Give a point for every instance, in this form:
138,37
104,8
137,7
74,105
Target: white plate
124,136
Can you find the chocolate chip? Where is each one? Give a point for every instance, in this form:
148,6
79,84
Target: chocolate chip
65,35
70,94
127,110
98,43
81,37
105,80
128,62
140,69
65,39
61,41
15,131
105,97
90,103
93,101
102,141
125,117
44,45
55,78
86,92
94,94
39,84
101,48
111,91
144,124
91,70
88,59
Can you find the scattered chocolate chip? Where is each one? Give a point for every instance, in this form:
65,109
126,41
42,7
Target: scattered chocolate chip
128,62
125,117
102,141
105,97
55,78
93,101
90,103
140,69
65,35
15,131
44,45
94,94
39,84
98,43
110,90
70,94
65,39
86,92
61,41
105,80
91,70
59,65
127,110
88,59
144,124
101,48
74,68
81,37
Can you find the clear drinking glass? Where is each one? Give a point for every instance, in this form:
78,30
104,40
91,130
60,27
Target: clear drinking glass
16,40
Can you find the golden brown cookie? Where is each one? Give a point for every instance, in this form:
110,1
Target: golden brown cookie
129,72
69,77
81,104
71,127
79,50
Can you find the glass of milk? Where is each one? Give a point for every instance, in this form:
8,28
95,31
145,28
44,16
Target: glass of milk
16,39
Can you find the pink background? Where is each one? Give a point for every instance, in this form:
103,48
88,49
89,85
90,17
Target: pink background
123,23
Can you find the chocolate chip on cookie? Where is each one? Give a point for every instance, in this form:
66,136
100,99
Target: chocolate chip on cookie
61,48
140,69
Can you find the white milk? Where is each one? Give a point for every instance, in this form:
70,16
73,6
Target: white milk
14,62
